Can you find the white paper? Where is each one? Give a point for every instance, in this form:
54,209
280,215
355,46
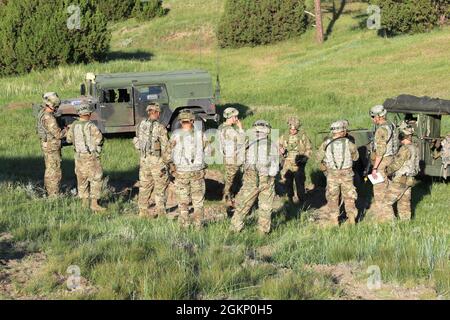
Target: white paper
378,180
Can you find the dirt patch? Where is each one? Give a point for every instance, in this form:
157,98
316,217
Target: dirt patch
17,268
17,106
357,284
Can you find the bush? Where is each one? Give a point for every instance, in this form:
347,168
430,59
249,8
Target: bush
116,10
261,22
149,9
443,10
37,34
409,16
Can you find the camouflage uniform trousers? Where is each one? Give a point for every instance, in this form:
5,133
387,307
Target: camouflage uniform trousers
89,175
398,193
53,174
255,187
380,189
153,176
294,173
190,187
340,189
231,174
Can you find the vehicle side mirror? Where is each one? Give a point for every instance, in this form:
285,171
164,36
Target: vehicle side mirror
83,89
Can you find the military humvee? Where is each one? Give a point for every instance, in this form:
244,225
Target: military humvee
120,99
425,115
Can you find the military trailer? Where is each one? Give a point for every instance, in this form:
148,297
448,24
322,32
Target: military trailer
425,115
120,99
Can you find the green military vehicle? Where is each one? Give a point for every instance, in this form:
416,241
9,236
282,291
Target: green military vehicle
425,115
120,99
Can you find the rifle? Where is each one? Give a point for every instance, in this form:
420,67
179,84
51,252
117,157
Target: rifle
368,165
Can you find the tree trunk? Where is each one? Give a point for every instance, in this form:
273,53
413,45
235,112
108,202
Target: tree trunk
319,26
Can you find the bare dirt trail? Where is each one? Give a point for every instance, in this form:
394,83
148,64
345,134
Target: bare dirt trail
356,284
17,268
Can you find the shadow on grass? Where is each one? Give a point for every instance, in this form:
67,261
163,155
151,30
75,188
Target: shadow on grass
336,13
9,251
129,55
31,170
244,111
361,24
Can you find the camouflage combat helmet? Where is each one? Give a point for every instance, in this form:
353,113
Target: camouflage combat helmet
378,110
186,115
405,129
153,106
262,126
293,123
230,112
84,109
338,126
51,99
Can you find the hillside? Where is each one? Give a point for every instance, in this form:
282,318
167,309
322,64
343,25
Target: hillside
121,256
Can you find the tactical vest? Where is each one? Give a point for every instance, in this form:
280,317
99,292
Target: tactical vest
188,153
337,154
230,148
262,156
392,143
40,129
292,144
148,138
411,166
82,140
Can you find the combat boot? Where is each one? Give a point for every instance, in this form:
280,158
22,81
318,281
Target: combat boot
351,218
152,213
198,218
85,203
160,212
184,219
143,213
96,207
227,200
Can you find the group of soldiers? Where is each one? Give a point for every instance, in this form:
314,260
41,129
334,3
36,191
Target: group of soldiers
182,158
338,154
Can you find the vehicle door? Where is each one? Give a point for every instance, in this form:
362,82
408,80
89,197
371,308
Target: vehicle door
146,94
116,107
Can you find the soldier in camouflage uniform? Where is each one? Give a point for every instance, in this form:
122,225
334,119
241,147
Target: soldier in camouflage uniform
232,143
403,169
385,146
296,149
87,140
260,168
50,135
188,157
338,154
441,149
152,142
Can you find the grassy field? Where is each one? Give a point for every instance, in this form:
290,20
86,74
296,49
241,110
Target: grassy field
123,257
